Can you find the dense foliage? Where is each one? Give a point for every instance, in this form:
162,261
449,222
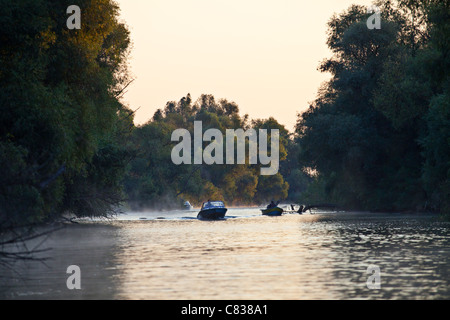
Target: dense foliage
377,136
155,181
63,130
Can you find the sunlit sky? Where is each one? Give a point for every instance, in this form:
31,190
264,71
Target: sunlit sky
261,54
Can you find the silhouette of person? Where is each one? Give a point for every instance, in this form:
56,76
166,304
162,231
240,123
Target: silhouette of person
271,205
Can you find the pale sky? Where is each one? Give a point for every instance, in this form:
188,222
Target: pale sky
261,54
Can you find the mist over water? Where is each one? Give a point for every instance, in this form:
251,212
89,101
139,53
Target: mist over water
172,255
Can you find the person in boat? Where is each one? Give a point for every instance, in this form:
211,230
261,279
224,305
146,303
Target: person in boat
271,205
207,204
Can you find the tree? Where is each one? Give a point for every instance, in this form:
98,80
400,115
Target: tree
367,134
435,140
61,111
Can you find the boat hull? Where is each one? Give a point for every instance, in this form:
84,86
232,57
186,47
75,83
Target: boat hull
212,214
276,211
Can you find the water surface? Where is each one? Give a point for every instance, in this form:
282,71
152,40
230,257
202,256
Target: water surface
172,255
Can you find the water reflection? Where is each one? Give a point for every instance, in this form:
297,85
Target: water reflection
248,256
290,257
92,247
412,253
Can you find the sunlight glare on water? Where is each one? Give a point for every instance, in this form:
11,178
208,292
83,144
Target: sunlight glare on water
290,257
247,256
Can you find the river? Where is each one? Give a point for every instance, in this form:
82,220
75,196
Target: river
172,256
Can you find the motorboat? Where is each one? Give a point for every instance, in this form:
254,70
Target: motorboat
274,211
188,206
212,210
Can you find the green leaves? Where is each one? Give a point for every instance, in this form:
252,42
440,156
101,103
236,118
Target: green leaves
153,177
59,115
362,133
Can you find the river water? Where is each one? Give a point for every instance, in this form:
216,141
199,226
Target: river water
172,255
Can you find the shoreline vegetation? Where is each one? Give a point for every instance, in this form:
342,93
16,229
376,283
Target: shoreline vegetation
376,137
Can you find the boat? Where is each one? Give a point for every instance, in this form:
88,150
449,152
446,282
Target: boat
212,210
187,205
274,211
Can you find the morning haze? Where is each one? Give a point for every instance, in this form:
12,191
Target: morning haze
261,54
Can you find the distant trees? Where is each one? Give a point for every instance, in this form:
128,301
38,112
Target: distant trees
153,179
377,135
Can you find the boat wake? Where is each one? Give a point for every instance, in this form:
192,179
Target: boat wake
187,215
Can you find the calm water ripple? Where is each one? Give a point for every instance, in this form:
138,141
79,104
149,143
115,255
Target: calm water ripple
248,256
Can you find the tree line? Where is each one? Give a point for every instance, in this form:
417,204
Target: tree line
153,180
